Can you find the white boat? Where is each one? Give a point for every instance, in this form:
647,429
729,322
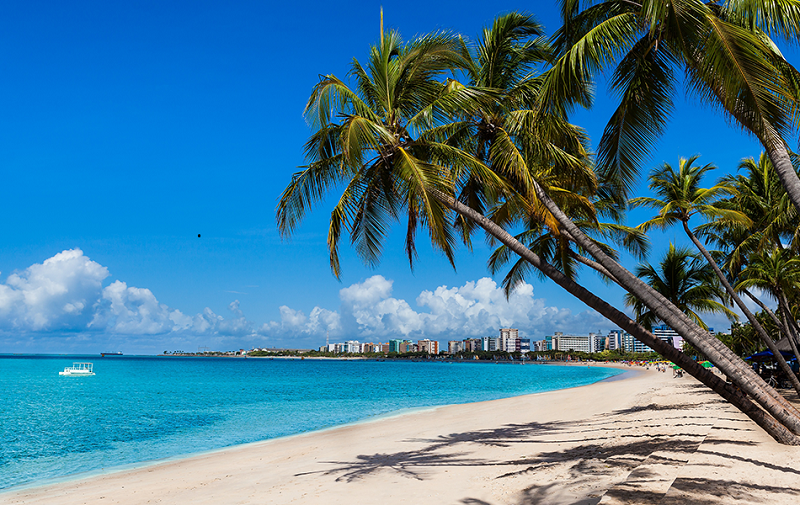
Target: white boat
78,370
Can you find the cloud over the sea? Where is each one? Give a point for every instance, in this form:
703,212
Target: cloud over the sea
65,293
478,308
71,294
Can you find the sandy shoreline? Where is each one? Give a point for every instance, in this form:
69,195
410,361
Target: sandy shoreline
646,439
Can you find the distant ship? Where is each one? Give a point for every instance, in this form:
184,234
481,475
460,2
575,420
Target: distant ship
104,354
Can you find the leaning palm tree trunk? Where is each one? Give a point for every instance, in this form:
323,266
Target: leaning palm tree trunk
790,334
779,156
784,329
792,322
719,354
750,316
775,429
679,357
783,303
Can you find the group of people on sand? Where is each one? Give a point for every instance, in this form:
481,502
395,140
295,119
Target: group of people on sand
662,367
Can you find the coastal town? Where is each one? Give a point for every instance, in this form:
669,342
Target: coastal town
507,341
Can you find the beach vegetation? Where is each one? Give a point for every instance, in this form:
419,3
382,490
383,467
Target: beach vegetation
687,281
422,138
679,198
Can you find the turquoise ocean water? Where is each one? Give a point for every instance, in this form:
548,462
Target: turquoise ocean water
138,409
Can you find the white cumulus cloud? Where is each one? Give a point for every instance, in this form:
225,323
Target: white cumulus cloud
66,294
59,293
478,308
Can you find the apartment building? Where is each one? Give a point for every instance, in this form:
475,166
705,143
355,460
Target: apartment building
579,343
670,336
455,346
428,346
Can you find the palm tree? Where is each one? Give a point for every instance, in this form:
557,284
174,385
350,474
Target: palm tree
559,251
781,427
725,63
724,49
538,190
679,197
777,272
531,128
513,135
760,196
552,97
376,139
387,143
687,282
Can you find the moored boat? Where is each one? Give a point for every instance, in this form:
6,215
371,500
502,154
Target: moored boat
78,370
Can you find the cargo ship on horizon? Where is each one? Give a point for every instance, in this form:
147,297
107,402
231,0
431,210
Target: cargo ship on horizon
104,354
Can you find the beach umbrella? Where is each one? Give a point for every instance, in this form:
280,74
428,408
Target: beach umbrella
675,367
707,364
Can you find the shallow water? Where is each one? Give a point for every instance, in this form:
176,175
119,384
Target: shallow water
137,409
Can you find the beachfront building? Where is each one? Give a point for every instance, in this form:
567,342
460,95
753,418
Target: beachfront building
509,340
671,336
353,346
613,340
599,341
473,344
428,346
540,345
630,344
455,346
618,339
578,343
370,347
490,344
408,346
508,344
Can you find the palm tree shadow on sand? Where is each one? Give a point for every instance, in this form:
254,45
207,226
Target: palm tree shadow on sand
596,455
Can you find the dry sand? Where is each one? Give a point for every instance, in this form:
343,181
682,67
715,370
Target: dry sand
646,439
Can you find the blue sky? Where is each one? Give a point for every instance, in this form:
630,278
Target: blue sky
127,129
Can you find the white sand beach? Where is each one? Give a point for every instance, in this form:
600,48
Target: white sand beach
646,439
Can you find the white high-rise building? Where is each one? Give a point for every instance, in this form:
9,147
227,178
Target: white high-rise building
353,346
578,343
614,340
630,344
599,342
509,340
669,335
